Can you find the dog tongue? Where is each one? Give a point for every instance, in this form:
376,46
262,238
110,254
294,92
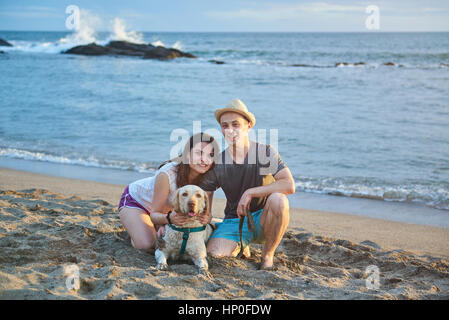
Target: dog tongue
191,214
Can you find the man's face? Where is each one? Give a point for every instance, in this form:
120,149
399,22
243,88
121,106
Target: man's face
234,128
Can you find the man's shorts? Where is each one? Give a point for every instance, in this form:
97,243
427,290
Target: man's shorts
229,229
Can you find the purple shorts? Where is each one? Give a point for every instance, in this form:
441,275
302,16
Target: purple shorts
127,201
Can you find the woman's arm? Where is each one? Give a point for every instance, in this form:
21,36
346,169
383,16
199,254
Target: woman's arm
160,196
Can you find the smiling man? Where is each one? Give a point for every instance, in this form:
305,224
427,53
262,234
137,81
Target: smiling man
252,176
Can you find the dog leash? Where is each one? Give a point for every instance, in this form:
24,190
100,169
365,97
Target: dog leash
251,228
186,234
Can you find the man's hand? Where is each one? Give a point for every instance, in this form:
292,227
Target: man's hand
244,203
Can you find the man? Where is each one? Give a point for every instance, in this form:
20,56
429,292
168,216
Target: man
252,176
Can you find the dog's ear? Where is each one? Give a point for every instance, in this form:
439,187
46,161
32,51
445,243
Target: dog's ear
206,201
175,202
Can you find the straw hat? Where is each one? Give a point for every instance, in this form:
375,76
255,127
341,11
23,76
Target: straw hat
237,106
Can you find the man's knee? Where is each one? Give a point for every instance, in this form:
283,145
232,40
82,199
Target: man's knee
215,251
278,203
219,248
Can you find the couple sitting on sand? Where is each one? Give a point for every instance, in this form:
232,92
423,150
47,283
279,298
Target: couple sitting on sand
249,181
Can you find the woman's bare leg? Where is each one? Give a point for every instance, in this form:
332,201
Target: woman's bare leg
140,228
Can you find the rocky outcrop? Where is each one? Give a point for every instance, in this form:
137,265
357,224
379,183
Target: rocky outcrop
124,48
165,54
5,43
341,64
216,61
91,49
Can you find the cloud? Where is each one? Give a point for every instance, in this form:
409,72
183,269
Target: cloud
32,12
433,10
276,11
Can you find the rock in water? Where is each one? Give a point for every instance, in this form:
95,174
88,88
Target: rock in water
91,49
163,53
129,49
183,54
5,43
216,61
124,48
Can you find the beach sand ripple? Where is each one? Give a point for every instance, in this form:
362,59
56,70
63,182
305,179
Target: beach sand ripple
41,233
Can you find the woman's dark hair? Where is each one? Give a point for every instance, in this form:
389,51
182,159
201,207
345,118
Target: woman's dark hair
183,168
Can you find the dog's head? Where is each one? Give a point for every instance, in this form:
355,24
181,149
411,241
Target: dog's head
190,201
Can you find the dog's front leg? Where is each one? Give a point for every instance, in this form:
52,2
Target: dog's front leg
198,254
201,263
203,266
161,260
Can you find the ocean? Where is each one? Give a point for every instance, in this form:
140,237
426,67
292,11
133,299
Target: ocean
358,115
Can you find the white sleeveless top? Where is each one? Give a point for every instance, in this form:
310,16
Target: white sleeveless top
143,190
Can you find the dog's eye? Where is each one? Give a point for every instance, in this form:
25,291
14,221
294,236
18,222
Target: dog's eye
198,195
184,194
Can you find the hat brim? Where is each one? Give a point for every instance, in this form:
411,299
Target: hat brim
247,115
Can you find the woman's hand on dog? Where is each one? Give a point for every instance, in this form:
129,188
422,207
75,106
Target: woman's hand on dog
204,219
178,219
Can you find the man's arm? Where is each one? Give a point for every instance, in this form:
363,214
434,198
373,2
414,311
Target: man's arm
283,183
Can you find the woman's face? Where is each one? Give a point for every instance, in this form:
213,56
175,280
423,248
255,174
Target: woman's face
201,157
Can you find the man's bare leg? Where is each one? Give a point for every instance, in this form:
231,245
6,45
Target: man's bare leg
221,247
274,220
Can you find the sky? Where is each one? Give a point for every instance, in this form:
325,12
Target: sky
231,15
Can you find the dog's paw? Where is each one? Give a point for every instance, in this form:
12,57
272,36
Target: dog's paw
202,272
162,266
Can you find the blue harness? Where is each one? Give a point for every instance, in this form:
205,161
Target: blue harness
186,235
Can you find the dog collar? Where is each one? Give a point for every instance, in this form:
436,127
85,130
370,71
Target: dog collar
186,234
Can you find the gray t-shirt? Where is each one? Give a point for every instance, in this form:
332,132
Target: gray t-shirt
261,164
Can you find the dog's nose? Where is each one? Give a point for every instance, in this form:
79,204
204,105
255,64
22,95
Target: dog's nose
191,203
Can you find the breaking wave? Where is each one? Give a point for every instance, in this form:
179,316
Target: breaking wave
435,196
85,34
432,195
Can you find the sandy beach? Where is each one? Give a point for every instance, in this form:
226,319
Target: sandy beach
48,223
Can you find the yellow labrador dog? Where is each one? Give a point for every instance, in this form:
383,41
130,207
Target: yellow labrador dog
188,240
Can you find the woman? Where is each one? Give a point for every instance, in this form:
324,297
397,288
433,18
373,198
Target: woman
145,204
